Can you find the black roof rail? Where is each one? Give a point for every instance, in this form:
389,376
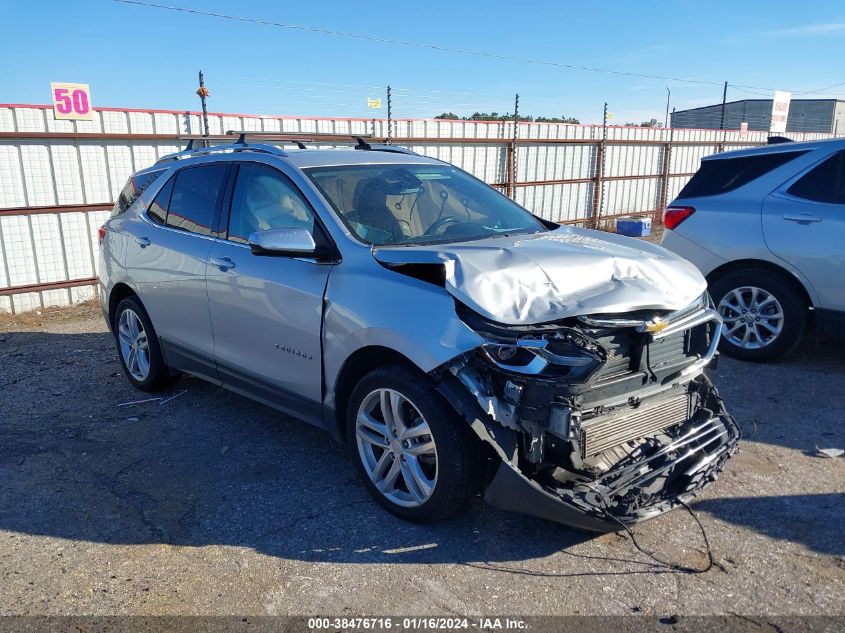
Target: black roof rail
238,146
360,140
361,143
299,141
774,140
243,144
382,147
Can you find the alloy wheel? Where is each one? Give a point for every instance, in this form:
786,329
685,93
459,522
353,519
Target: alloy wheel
753,317
134,346
396,448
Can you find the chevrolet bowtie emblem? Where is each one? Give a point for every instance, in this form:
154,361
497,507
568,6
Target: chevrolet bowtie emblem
656,326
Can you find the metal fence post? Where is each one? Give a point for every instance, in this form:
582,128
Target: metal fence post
598,193
664,187
597,182
202,92
512,150
389,114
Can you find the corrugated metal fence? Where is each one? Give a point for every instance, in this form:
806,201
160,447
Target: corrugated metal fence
58,179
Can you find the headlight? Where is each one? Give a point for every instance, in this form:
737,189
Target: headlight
534,355
501,353
513,357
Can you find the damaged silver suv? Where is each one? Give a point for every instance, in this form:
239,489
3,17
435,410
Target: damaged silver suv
456,342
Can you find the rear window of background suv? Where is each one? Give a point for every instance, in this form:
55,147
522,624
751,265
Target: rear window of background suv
721,175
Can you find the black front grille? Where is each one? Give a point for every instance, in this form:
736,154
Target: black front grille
668,352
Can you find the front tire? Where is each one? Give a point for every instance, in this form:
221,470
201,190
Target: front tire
764,315
416,456
138,347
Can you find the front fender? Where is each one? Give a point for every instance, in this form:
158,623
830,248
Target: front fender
409,316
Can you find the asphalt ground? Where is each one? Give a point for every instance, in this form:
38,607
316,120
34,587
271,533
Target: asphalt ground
210,504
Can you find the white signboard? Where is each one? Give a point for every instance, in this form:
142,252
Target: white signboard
780,111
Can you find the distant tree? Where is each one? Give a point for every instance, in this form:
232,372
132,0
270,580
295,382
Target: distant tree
651,123
557,119
495,116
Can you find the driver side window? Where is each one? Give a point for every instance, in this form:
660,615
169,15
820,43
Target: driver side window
265,199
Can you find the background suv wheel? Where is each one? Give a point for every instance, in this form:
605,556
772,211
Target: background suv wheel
138,348
416,456
764,314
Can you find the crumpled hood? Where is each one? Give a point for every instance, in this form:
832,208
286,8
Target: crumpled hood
567,272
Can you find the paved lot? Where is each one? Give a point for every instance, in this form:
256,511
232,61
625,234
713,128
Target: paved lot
211,504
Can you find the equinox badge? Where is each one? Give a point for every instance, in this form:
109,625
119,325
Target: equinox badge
294,352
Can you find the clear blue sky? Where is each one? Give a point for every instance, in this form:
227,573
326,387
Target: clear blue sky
148,58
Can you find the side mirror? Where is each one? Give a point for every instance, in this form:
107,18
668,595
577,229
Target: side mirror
285,243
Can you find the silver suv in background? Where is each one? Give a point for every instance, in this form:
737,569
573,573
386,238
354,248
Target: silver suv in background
452,339
766,226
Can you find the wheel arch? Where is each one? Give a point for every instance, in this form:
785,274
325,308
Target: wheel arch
118,293
359,364
762,265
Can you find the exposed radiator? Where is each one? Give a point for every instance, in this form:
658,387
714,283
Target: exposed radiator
606,431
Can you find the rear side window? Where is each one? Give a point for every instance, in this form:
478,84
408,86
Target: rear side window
158,209
824,182
133,189
726,174
194,197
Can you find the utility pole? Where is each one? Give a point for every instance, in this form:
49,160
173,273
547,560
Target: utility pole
724,98
598,198
604,123
389,115
512,149
668,96
202,91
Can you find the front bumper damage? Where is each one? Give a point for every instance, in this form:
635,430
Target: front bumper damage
627,434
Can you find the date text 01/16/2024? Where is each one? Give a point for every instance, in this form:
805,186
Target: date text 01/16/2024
417,623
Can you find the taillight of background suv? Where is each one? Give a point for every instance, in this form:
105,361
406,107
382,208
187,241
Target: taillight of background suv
674,216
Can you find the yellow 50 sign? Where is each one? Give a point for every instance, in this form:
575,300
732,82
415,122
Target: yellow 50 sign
72,101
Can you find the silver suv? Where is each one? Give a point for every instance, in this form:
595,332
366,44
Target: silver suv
455,341
767,228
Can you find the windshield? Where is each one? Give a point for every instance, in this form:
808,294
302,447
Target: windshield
419,204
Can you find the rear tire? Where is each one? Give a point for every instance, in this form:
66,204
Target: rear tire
441,458
138,347
764,315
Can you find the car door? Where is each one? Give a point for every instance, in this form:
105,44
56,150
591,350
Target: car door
267,311
804,224
167,259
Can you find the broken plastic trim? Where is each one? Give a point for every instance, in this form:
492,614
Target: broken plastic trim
665,470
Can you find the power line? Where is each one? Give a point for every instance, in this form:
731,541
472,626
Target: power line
437,47
809,92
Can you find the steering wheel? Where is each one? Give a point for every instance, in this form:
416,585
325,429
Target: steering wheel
438,224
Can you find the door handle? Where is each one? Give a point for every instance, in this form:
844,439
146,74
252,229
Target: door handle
223,263
143,242
802,217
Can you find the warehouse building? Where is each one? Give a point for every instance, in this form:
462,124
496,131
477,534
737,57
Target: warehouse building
805,115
